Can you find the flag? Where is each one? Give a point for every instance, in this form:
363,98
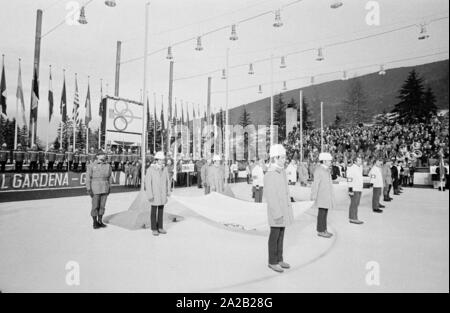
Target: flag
34,98
19,96
162,117
63,106
3,92
50,98
182,113
187,114
87,105
193,112
100,107
76,103
175,152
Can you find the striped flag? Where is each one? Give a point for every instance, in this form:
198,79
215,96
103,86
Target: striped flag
76,103
88,116
3,95
34,98
50,97
19,96
63,106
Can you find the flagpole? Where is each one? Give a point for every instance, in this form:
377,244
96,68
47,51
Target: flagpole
64,112
87,124
154,123
49,117
272,139
301,125
17,114
162,130
101,117
74,116
321,126
144,117
227,113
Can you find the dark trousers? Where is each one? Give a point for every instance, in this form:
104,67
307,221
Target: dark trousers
354,204
50,166
156,217
33,166
395,184
19,165
259,194
387,191
199,179
276,238
83,167
2,166
253,192
98,204
322,220
376,198
116,166
75,167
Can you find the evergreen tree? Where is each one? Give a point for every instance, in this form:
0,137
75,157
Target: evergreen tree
245,119
279,117
355,105
429,104
410,108
308,121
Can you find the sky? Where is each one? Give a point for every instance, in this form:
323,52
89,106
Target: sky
90,49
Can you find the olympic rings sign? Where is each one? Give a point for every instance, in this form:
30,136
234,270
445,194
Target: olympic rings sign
122,115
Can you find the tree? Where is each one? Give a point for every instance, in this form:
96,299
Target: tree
411,108
355,105
307,119
245,119
279,117
429,104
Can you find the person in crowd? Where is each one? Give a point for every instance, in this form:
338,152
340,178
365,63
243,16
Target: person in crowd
198,169
76,160
248,171
157,192
387,184
412,170
4,156
395,178
204,176
216,175
33,157
335,170
234,170
51,158
322,193
291,172
19,158
127,171
279,208
69,158
355,188
376,179
83,160
258,182
60,159
98,185
170,171
303,175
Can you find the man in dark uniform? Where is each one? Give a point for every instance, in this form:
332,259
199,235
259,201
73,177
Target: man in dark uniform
123,160
33,155
51,157
60,159
76,160
69,158
4,155
41,158
395,178
19,158
198,168
83,161
98,177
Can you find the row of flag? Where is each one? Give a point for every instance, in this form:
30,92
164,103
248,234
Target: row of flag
20,103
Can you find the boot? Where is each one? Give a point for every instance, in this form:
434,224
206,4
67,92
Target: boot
100,221
381,206
95,224
277,268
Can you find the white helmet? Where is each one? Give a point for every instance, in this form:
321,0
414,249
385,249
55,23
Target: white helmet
325,156
217,158
277,150
160,156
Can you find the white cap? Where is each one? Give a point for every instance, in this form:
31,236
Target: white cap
217,158
325,156
160,156
277,150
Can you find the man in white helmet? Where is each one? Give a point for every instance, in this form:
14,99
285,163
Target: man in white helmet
322,193
279,207
157,191
216,175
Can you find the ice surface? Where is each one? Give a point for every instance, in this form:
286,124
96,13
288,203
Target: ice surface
410,242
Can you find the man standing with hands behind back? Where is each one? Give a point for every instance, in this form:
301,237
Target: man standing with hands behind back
98,176
279,207
157,191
